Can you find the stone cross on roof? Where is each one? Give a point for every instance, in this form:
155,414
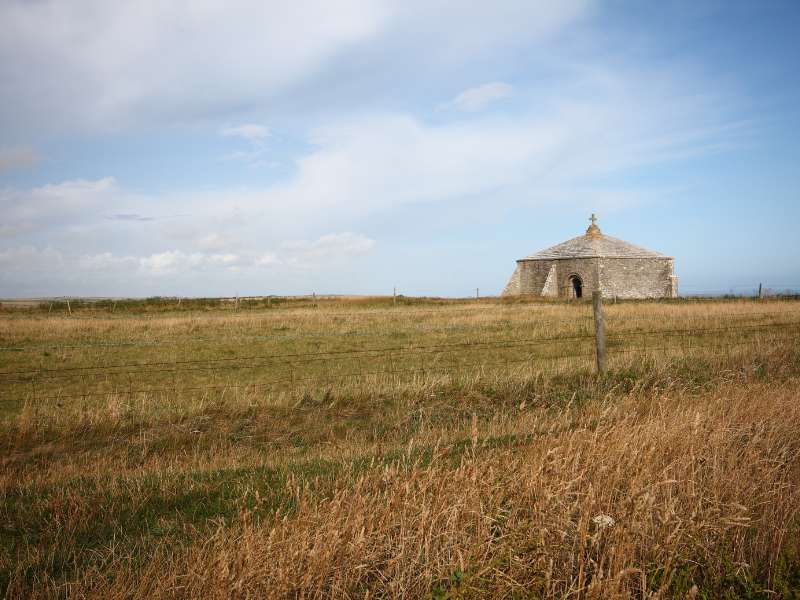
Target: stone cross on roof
593,229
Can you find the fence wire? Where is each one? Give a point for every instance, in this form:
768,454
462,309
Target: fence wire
384,352
460,369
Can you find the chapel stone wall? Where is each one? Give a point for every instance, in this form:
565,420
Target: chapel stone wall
533,275
638,278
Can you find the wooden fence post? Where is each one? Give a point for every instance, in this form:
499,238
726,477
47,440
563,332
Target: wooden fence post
599,331
760,294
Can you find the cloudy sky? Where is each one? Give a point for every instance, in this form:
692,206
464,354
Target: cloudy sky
219,148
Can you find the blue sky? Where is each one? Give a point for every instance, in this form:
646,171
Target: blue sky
208,148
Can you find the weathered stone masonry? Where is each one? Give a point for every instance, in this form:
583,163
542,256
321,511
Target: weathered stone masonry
595,261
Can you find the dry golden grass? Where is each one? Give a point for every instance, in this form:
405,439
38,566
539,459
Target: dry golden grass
482,470
694,489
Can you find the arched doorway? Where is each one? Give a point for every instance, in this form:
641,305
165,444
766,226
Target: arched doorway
576,286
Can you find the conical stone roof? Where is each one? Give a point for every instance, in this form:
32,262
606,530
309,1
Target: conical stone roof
594,245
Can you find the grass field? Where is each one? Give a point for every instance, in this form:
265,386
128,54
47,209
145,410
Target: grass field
361,448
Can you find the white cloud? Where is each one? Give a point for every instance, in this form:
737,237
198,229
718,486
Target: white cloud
333,246
478,98
17,158
215,242
267,259
167,263
25,211
367,164
164,262
102,263
223,260
253,134
294,253
27,262
249,131
383,161
91,64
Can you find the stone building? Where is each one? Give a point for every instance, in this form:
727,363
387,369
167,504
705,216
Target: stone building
594,261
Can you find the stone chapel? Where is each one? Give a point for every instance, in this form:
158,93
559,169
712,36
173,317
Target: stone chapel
594,261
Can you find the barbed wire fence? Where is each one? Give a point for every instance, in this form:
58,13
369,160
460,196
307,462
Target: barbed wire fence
291,368
323,334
